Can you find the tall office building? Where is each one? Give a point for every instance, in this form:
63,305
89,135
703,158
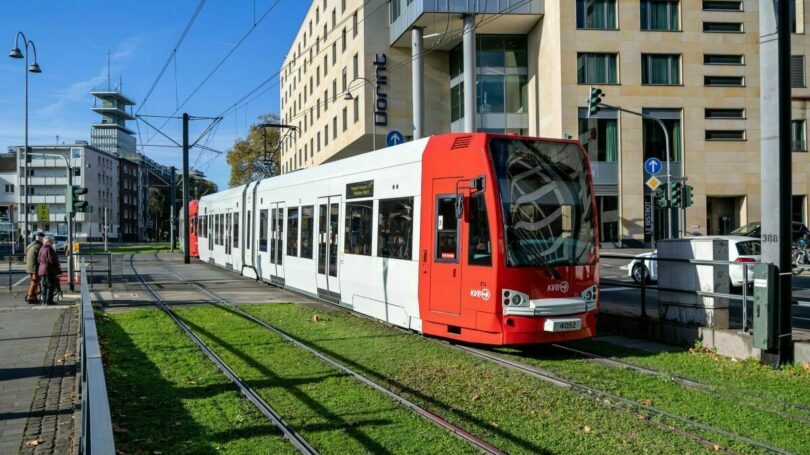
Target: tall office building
692,63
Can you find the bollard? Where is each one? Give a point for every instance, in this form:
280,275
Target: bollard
644,291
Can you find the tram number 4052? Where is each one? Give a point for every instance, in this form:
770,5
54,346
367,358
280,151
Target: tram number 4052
562,325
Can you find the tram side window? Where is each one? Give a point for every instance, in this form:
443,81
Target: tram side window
215,233
248,230
263,230
359,216
292,231
307,216
395,228
235,233
446,229
480,247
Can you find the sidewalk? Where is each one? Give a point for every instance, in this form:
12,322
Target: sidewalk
37,374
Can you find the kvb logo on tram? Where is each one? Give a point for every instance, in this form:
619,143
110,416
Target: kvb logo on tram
480,293
558,287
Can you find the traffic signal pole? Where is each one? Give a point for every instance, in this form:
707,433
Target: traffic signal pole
595,104
186,181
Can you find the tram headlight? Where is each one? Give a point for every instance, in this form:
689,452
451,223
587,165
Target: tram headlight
517,299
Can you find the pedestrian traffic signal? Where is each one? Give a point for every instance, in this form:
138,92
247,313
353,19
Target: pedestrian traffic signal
675,196
74,203
594,99
687,196
661,198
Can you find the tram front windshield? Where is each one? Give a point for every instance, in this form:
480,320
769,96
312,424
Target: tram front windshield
546,202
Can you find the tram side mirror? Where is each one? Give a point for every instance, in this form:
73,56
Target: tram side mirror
459,205
477,184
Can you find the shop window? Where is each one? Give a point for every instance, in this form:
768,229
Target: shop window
359,227
395,228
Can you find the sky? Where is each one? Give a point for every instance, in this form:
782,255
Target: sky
73,39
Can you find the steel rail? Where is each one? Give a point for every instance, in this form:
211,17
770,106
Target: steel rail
709,389
289,433
428,415
563,382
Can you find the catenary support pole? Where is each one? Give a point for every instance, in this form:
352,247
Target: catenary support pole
775,118
186,181
468,48
69,216
173,205
418,82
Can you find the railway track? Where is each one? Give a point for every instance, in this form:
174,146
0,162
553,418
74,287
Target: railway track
621,402
289,433
740,396
422,412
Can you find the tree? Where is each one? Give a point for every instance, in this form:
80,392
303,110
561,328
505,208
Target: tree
256,156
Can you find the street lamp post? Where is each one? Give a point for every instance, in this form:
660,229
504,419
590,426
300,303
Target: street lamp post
33,68
348,97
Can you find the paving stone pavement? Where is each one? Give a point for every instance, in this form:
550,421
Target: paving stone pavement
31,339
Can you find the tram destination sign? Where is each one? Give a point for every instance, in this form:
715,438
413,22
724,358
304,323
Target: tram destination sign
360,189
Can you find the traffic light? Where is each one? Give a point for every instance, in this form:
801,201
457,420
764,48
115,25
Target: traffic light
661,198
594,99
675,198
74,203
687,196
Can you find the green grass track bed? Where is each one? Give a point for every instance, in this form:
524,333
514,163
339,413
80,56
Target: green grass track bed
167,397
513,411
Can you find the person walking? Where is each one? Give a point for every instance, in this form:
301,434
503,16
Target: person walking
49,271
32,267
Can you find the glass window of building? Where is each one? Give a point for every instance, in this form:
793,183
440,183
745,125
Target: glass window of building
797,71
597,14
356,109
396,9
359,227
607,209
595,68
508,51
395,228
722,5
660,69
725,135
599,135
798,137
457,102
723,59
490,96
653,135
723,27
660,15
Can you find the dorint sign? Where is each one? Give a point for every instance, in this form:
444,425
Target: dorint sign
360,189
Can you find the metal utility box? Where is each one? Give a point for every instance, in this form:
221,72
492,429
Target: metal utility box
765,305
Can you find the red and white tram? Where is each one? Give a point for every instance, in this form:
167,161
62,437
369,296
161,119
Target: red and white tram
480,238
193,225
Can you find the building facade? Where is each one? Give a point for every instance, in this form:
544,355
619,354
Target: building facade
694,64
94,169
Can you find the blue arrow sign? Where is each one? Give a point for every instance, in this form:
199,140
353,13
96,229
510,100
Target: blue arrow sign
653,166
394,138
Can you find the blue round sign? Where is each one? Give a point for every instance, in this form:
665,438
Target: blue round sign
394,138
653,166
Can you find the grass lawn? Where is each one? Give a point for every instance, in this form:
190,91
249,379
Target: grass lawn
167,397
727,413
515,412
331,410
142,248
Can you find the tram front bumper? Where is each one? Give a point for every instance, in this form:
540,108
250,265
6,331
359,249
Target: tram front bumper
530,329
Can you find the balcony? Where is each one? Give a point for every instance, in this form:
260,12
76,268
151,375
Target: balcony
438,16
45,181
46,199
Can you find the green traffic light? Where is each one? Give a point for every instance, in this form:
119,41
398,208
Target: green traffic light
594,99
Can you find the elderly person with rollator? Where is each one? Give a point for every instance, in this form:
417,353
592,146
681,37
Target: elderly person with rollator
49,271
32,267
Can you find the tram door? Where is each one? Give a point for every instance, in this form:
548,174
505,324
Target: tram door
445,270
328,225
277,242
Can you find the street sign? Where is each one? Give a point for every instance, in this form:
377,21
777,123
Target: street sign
394,138
43,213
653,166
653,183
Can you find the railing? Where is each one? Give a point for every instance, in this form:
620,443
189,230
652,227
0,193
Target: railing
744,297
96,425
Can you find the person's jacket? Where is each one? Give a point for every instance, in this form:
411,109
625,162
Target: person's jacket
31,257
48,262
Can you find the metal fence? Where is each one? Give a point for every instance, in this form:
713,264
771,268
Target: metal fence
645,285
96,425
97,263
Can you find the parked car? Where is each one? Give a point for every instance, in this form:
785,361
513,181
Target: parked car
60,242
755,230
741,249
